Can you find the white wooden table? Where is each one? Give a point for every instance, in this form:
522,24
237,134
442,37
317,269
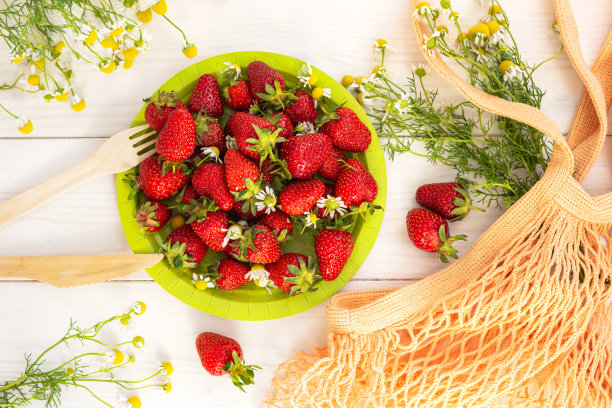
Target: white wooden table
336,36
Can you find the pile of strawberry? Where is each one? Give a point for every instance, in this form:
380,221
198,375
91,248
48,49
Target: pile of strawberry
427,227
243,168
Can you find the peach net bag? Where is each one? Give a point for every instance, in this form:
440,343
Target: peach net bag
523,319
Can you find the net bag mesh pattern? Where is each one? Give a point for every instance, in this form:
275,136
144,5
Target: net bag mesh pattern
523,319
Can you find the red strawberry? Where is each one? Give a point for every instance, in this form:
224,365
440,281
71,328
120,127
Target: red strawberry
299,196
222,355
188,256
333,249
206,96
266,171
212,229
238,212
258,245
232,274
209,132
153,215
154,185
261,74
282,121
303,109
355,184
241,126
348,132
305,154
429,231
159,107
330,169
189,194
450,200
176,141
209,180
237,169
299,270
279,222
238,96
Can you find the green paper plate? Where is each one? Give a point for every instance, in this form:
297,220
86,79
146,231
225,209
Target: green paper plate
250,302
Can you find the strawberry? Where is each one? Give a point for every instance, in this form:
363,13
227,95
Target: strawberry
160,106
222,355
293,273
261,74
206,96
232,274
212,228
238,96
237,169
183,248
209,132
176,141
266,169
303,109
450,200
209,180
258,245
241,125
305,154
299,196
243,211
429,231
189,194
279,222
154,185
348,132
333,249
330,169
153,215
282,121
355,184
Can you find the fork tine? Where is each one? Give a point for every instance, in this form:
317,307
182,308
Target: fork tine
147,137
146,155
146,148
137,131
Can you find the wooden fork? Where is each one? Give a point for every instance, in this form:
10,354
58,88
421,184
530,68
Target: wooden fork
120,152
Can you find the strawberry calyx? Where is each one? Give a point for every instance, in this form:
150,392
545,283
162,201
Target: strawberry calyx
176,256
171,166
275,97
245,242
328,113
445,248
463,205
305,277
135,192
146,216
248,195
240,373
201,120
265,143
198,209
163,99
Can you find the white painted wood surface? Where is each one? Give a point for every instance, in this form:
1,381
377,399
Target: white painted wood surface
334,35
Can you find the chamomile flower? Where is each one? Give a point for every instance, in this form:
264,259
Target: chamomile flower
77,103
143,42
266,200
319,93
138,342
24,125
332,205
306,77
212,152
259,274
233,232
131,402
230,142
509,70
494,13
232,69
166,368
381,45
311,219
139,307
202,282
497,33
114,356
402,105
429,44
421,70
304,128
422,9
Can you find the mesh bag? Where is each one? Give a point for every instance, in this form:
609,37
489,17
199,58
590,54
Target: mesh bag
523,319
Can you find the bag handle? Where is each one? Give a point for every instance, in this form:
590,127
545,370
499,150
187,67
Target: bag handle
368,311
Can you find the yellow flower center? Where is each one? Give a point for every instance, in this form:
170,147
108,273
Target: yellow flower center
494,9
422,4
442,28
33,80
135,402
347,80
493,26
505,66
78,106
138,342
168,367
127,64
160,7
70,371
359,80
201,285
381,42
168,388
61,97
142,308
313,217
109,68
317,93
360,98
377,69
27,128
40,64
18,60
59,46
130,53
91,38
109,42
145,16
118,357
313,79
453,16
478,29
190,51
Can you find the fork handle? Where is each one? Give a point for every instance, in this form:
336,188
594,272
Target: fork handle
21,204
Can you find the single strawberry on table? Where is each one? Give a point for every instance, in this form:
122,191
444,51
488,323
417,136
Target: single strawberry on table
237,95
450,200
153,215
303,109
223,355
177,140
209,180
348,132
355,184
299,196
183,248
333,249
429,231
206,96
293,273
160,106
305,154
154,185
